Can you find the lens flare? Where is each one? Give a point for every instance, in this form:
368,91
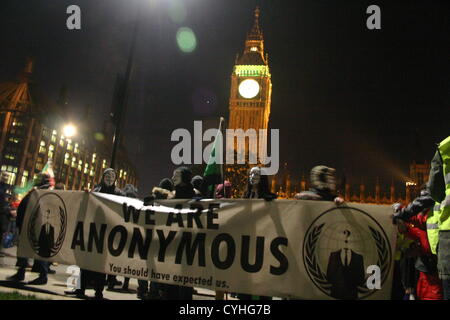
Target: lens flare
186,40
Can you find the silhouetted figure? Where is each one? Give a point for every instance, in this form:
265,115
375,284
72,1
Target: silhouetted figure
345,272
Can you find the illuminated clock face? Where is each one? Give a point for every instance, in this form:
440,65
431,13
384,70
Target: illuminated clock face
249,88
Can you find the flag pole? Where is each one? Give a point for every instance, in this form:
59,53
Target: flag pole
222,119
214,185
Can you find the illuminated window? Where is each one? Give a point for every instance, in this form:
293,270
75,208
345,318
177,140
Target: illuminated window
92,172
93,157
24,179
80,165
86,168
104,164
61,141
76,148
42,148
253,49
69,145
67,159
54,134
51,150
74,162
10,157
120,173
11,178
14,140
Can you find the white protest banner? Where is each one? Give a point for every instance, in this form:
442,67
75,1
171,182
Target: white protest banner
284,248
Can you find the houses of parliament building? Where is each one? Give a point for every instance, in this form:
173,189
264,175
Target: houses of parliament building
32,136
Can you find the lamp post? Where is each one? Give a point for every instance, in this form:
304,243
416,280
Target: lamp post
122,96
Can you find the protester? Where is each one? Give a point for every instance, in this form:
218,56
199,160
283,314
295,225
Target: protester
156,291
419,218
258,185
107,185
197,183
163,191
4,208
222,192
323,182
42,182
183,190
439,187
401,279
257,188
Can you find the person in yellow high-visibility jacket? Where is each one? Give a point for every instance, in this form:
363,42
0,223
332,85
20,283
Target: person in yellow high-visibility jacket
439,186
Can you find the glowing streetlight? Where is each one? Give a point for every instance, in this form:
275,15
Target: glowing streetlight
69,130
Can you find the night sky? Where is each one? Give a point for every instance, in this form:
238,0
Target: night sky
365,102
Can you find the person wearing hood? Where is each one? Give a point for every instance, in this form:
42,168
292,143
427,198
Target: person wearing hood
197,183
107,185
41,182
184,189
323,181
258,185
156,291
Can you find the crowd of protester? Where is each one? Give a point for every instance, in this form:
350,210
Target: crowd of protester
421,259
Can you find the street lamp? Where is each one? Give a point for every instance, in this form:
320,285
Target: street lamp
69,130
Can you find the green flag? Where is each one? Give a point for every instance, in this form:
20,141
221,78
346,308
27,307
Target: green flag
213,174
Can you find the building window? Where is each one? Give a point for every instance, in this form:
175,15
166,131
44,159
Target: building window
86,168
51,150
24,179
74,162
42,148
12,173
104,164
93,157
80,165
14,140
77,150
253,49
61,141
120,173
67,159
69,145
9,156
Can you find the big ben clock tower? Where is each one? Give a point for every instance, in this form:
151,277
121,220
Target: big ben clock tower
250,99
251,87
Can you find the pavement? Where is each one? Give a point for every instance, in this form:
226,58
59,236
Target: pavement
57,283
